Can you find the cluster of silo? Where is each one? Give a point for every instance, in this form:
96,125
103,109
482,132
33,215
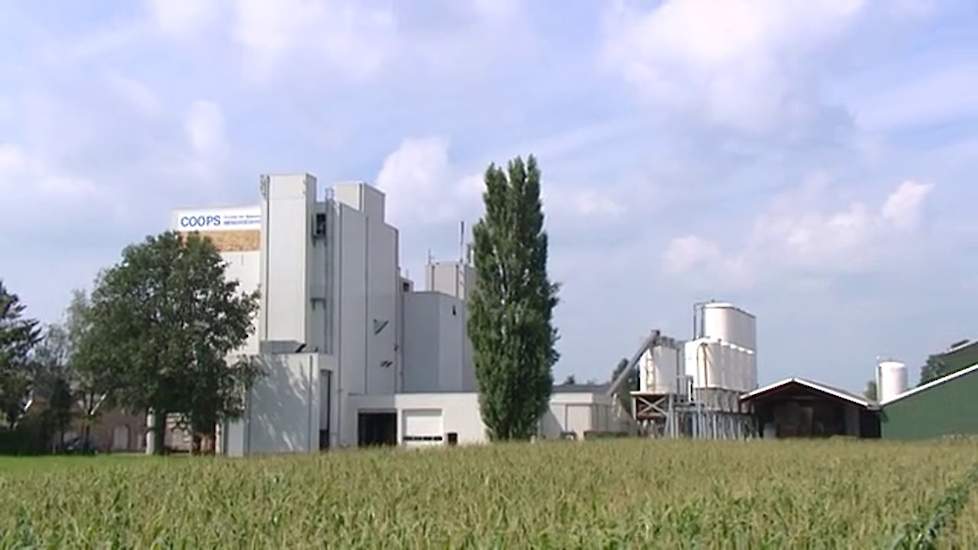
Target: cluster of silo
722,353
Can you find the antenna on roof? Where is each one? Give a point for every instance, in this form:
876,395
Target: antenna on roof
461,241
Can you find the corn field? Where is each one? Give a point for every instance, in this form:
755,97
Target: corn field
608,494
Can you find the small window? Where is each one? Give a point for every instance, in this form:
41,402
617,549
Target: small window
319,226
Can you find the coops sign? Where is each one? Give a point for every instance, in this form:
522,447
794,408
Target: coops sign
219,219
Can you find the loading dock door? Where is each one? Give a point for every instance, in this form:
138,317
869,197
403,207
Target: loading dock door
422,427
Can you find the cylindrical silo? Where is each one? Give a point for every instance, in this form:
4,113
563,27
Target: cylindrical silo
891,379
660,370
727,322
751,381
720,322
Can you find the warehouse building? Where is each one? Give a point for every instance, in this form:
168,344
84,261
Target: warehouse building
947,406
797,407
353,354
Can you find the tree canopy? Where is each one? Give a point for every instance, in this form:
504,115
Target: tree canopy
163,323
18,336
510,322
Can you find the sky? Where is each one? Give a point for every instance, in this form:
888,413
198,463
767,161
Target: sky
811,161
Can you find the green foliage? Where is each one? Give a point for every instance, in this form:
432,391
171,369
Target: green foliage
17,338
161,326
597,494
871,390
512,305
934,368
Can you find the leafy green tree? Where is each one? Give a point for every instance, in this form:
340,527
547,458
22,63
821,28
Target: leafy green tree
871,391
17,338
51,379
570,380
510,322
937,367
92,380
164,322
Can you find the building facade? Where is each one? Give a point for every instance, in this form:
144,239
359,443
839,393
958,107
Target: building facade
944,407
353,355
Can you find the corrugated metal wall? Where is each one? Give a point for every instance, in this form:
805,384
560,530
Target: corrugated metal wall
950,408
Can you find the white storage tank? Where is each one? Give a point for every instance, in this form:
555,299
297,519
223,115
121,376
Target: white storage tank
704,362
751,371
660,370
891,379
726,322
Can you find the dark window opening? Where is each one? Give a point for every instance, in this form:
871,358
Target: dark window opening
377,429
423,438
319,227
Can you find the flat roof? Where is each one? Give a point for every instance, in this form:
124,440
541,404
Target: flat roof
580,388
931,384
817,386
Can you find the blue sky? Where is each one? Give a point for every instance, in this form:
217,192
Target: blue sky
812,161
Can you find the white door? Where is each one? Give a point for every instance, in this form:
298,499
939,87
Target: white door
120,438
422,427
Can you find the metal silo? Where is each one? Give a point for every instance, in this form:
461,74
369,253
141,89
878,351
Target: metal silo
727,322
660,370
891,379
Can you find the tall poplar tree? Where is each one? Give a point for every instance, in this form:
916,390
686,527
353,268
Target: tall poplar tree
511,309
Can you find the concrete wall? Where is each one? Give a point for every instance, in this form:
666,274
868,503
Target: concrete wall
459,410
381,327
436,353
452,278
286,253
284,408
578,413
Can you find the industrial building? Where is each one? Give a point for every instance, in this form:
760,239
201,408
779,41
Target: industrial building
693,388
947,406
797,407
353,354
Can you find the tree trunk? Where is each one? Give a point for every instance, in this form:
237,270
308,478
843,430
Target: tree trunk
86,437
195,440
159,433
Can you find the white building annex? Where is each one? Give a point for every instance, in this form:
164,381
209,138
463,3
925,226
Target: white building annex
353,354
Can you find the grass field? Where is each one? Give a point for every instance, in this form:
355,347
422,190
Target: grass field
596,494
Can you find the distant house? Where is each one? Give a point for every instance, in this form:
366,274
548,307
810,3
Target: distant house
947,406
796,407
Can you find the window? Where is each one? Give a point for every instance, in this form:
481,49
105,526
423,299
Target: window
319,225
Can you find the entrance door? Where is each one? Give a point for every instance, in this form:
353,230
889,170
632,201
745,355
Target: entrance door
120,438
377,428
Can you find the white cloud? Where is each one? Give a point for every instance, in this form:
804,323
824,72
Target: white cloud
932,97
183,17
795,236
903,207
207,141
12,159
345,35
422,186
26,179
741,63
138,95
684,254
569,203
204,126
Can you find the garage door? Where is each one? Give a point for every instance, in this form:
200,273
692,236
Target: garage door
422,427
